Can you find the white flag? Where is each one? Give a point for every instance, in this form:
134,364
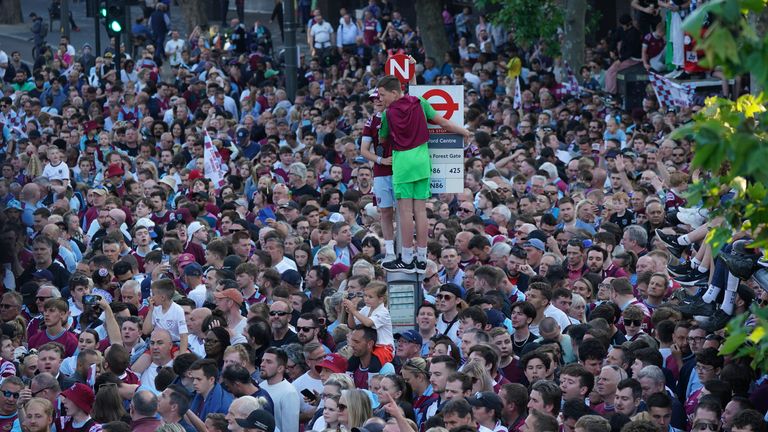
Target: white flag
215,170
518,101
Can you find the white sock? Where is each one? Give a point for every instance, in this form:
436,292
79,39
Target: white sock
711,294
703,269
421,253
695,262
407,254
684,240
389,247
730,294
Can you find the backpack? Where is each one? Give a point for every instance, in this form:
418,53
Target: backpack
43,29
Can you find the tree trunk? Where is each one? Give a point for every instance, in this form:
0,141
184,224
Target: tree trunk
572,44
760,24
194,13
431,29
10,12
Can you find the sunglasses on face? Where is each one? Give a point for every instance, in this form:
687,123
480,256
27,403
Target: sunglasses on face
342,407
444,297
10,394
702,426
305,329
632,323
278,313
353,295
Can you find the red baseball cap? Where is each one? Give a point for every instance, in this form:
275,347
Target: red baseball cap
115,169
230,293
184,260
334,362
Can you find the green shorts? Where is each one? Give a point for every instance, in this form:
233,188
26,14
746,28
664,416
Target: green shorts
419,190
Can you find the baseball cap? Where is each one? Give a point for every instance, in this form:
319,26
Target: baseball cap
335,217
535,243
291,277
338,269
371,427
258,419
451,288
13,204
231,262
410,336
290,204
184,260
99,190
373,93
43,274
194,269
333,361
115,170
495,318
488,400
230,293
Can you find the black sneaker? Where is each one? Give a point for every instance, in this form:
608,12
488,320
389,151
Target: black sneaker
668,239
691,278
680,270
716,322
399,266
420,266
677,252
697,307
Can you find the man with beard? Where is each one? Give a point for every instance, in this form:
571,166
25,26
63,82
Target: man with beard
229,302
349,210
567,213
363,364
38,415
451,272
279,316
364,185
596,257
283,394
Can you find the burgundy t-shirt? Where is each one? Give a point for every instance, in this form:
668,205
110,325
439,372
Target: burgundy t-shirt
68,339
383,149
407,123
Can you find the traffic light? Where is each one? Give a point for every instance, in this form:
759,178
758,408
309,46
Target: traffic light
113,13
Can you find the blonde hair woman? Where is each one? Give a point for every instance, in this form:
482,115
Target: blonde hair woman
354,408
481,381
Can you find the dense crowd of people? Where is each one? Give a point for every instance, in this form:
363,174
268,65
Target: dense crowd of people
568,287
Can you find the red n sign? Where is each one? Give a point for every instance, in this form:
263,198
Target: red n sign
399,67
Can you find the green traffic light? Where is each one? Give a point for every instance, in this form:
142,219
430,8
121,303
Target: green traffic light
115,26
103,12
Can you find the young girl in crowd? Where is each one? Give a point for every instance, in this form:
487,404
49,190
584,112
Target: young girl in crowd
375,315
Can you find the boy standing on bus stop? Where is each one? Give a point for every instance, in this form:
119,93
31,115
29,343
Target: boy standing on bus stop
404,122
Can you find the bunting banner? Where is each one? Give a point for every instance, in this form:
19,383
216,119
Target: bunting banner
215,170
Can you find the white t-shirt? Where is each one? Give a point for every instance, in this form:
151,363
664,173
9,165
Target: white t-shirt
173,321
307,382
196,345
285,264
562,319
58,172
381,322
198,295
173,48
321,34
287,404
236,332
148,378
452,332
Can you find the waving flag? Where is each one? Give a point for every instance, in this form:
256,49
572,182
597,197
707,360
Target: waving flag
570,83
214,168
517,103
670,93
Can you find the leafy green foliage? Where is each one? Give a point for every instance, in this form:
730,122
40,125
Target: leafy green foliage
532,20
731,143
